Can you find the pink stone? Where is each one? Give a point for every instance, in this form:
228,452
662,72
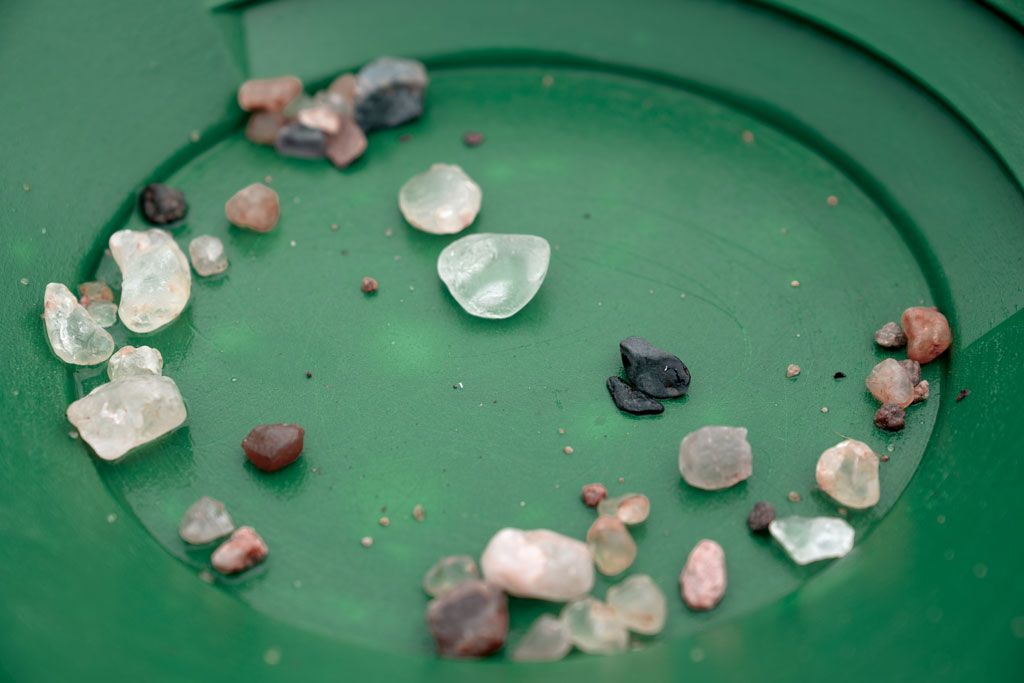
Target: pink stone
921,391
255,207
347,145
702,582
593,494
244,549
272,94
263,126
927,333
344,85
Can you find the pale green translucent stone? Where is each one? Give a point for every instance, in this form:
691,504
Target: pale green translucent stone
74,335
809,539
595,628
547,640
849,473
442,200
611,545
129,361
631,508
103,312
448,573
640,604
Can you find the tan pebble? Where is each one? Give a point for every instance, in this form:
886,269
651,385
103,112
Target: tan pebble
255,207
384,521
824,409
792,371
418,513
568,450
366,541
794,497
272,94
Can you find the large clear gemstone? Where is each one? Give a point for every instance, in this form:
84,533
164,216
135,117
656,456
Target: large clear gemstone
74,335
157,280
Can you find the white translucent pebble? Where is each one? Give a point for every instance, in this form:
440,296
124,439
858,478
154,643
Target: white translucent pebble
207,254
130,361
494,276
538,564
640,603
849,473
448,573
156,278
120,415
890,383
715,457
547,640
74,335
809,539
442,200
595,628
205,520
103,312
630,508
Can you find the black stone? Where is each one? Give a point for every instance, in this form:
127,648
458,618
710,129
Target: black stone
470,620
839,375
653,371
891,417
302,142
913,369
632,401
161,204
761,516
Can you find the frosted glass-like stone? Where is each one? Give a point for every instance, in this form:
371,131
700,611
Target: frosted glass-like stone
715,457
547,640
640,603
156,278
810,539
538,564
129,361
442,200
595,628
631,508
205,520
849,473
448,573
890,383
207,253
73,334
611,545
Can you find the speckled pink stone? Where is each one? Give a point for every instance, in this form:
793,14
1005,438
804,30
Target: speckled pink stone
927,331
703,579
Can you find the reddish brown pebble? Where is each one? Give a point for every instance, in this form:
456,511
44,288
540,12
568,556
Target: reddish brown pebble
244,549
622,480
369,285
347,145
561,431
384,521
594,494
891,417
761,516
927,333
703,579
263,126
309,375
255,207
568,450
885,458
921,391
964,393
418,513
473,139
748,137
273,446
470,620
271,94
832,200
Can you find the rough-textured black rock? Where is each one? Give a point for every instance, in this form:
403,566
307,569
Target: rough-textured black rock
632,401
653,371
389,93
913,369
297,140
470,620
761,516
161,204
891,417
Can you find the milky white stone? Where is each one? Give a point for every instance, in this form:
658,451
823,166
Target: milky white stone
611,545
547,640
595,628
889,382
205,520
849,473
156,279
207,253
130,361
631,508
442,200
448,573
74,335
640,603
809,539
715,457
120,415
494,276
538,564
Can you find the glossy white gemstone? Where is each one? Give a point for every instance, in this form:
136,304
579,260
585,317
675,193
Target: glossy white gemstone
120,415
74,335
538,564
156,279
205,520
640,603
207,253
715,457
849,473
130,361
494,276
595,628
547,640
442,200
809,539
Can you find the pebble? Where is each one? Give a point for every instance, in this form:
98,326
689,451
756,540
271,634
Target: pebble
595,628
761,516
162,204
389,92
262,127
703,579
655,372
207,254
156,279
593,494
448,573
272,94
369,285
473,139
611,545
640,603
890,336
839,375
243,550
793,497
494,276
366,541
205,520
384,521
632,400
891,417
568,450
418,513
964,393
130,361
255,207
630,508
345,86
321,116
810,539
538,564
301,142
272,446
118,416
792,371
547,640
74,335
442,200
927,331
921,391
471,620
715,457
890,383
849,473
347,145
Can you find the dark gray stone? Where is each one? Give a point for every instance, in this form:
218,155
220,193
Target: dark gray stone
653,371
296,140
891,417
389,92
761,516
470,620
161,204
632,401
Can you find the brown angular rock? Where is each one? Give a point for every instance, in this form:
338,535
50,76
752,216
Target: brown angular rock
594,494
347,145
928,334
243,550
255,207
273,446
262,127
470,620
891,417
272,94
703,580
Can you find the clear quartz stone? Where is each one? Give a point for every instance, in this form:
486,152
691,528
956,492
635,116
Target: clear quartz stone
494,276
103,312
631,508
74,335
205,520
207,253
538,564
640,603
157,279
442,200
120,415
595,628
448,573
715,457
849,473
810,539
547,640
890,383
129,361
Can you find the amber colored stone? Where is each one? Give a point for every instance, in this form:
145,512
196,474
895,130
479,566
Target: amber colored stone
271,94
927,333
273,446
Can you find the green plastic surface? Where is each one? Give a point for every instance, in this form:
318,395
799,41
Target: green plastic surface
632,165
